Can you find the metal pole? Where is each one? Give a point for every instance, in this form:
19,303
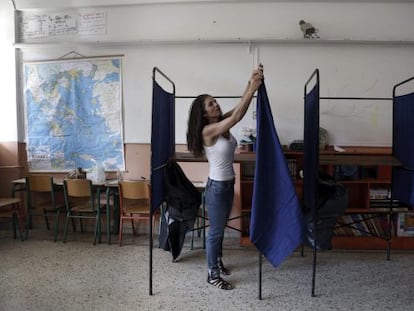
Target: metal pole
150,252
314,265
260,275
357,98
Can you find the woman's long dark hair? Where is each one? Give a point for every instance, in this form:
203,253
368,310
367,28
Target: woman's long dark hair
196,123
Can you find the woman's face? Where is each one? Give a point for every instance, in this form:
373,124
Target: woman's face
212,109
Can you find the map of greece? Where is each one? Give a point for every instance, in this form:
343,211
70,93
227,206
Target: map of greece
73,114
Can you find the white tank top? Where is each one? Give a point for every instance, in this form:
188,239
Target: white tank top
220,158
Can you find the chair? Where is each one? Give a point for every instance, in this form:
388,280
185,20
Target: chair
201,228
134,203
81,203
10,208
41,201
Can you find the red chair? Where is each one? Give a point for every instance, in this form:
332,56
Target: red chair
134,203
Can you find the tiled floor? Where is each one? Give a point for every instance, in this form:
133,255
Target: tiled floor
39,274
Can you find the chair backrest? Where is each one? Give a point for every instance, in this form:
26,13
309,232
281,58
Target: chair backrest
134,190
39,189
39,183
78,192
78,188
134,193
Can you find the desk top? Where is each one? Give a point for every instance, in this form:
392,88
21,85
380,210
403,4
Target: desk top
325,158
8,201
238,157
365,160
59,182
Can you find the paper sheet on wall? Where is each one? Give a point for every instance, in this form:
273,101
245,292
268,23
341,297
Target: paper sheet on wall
92,23
37,25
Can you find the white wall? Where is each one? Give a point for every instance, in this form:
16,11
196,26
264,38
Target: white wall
247,20
184,45
345,71
8,117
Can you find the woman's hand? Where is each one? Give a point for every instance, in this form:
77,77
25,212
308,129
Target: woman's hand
213,129
256,78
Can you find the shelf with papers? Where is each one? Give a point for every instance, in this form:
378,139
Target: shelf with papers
365,223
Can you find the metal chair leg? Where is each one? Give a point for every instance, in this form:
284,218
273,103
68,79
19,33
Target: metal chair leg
65,230
121,227
96,229
27,226
46,220
14,220
133,226
57,225
81,222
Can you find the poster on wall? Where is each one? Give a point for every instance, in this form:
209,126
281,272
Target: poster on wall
74,114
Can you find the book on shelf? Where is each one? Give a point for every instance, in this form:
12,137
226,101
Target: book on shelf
346,226
381,198
406,224
386,208
292,168
364,225
383,203
379,194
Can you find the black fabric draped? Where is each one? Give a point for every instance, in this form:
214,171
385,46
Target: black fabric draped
403,148
183,202
162,141
311,149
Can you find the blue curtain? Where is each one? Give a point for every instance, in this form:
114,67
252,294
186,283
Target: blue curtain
162,141
403,148
276,215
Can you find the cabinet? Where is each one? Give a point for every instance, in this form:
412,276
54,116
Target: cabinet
366,173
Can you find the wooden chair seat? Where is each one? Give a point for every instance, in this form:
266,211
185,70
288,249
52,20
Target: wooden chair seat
10,208
83,208
137,208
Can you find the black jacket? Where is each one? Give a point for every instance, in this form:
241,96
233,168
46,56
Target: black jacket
183,202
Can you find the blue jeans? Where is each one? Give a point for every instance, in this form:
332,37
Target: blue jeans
219,200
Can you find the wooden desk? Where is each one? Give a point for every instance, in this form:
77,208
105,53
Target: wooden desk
109,186
361,160
21,183
238,157
379,158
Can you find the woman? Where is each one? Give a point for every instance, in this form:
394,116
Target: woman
209,133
